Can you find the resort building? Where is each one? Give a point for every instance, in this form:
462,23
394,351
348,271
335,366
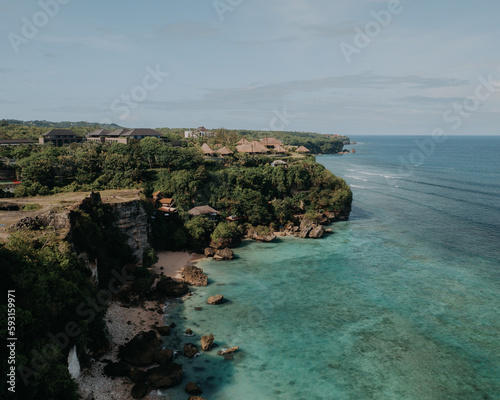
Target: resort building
121,135
302,149
271,142
242,141
60,137
204,210
279,149
207,150
252,148
198,133
224,152
15,142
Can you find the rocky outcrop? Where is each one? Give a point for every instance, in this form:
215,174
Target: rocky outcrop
265,237
207,342
132,220
140,390
57,220
193,388
310,229
222,243
223,352
190,350
117,369
141,350
209,252
217,299
164,356
163,330
171,288
165,375
225,254
194,276
317,232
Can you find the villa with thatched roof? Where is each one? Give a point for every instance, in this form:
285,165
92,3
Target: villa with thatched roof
207,150
302,149
224,151
252,148
204,210
271,142
242,141
280,149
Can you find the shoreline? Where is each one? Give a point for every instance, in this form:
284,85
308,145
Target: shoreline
171,263
123,323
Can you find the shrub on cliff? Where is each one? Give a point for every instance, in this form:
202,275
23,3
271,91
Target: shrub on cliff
225,230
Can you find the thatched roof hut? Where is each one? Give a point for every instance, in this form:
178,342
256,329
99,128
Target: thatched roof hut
252,148
280,149
242,141
203,210
225,151
270,142
303,149
207,150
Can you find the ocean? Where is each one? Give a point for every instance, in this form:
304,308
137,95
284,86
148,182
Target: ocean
402,301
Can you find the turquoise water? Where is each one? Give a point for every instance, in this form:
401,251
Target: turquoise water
401,302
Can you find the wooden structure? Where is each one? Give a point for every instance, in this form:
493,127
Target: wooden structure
224,151
207,150
204,210
302,149
252,148
271,142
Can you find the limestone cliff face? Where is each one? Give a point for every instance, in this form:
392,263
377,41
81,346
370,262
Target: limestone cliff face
132,220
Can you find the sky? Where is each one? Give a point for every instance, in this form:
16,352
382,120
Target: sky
330,66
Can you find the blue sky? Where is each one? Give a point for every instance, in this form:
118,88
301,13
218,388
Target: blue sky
255,64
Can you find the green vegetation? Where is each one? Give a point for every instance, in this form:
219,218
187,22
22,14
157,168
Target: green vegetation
225,230
51,284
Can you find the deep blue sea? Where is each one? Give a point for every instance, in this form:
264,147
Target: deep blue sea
401,302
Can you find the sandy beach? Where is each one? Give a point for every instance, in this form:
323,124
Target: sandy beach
171,263
123,324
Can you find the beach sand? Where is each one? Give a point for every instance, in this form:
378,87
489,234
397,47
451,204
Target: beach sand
170,263
123,324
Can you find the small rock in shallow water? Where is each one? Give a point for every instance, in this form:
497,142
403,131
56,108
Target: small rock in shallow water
213,300
193,388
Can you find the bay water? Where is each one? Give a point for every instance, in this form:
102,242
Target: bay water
402,301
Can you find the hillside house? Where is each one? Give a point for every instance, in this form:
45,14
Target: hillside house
60,137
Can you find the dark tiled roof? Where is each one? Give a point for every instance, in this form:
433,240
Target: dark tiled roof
99,132
59,132
142,132
16,141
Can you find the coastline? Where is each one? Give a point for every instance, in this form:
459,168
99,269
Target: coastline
123,323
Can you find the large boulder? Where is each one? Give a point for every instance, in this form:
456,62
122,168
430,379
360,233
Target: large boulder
171,288
207,342
306,226
222,243
165,375
224,254
265,237
190,350
164,356
163,330
317,232
217,299
193,388
209,252
141,350
194,276
140,390
117,369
